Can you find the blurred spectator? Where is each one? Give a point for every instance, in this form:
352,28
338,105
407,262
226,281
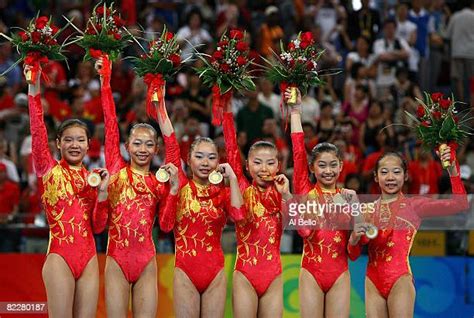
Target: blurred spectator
193,36
54,87
356,111
10,198
424,173
272,133
17,120
11,169
270,33
462,48
95,156
310,109
191,132
6,99
121,82
424,29
326,124
441,15
407,30
355,182
365,21
310,136
372,126
362,54
196,100
391,53
267,97
349,164
6,62
252,116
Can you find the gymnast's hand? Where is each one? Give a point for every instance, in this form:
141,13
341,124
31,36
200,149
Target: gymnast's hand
174,179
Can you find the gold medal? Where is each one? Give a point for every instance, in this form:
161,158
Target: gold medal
372,232
162,175
93,179
215,177
267,178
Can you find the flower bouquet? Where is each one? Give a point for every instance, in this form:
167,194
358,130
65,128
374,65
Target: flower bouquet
227,69
155,66
37,44
437,123
296,66
105,34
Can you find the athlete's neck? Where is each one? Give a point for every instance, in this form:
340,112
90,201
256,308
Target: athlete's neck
139,169
200,181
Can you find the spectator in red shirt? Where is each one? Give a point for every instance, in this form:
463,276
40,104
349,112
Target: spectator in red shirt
9,198
424,173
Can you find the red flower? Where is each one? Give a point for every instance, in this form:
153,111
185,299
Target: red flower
309,65
420,112
425,123
445,103
175,59
95,53
223,43
54,29
98,27
218,55
225,67
24,37
304,44
100,10
90,30
291,46
307,37
117,36
35,36
169,36
242,46
241,61
236,34
456,119
436,115
118,22
436,97
292,63
41,22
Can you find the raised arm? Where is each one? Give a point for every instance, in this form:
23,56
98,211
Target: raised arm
113,159
43,161
438,207
172,150
301,182
233,153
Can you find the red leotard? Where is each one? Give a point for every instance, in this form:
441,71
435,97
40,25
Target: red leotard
201,217
70,203
259,234
398,223
324,250
133,199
